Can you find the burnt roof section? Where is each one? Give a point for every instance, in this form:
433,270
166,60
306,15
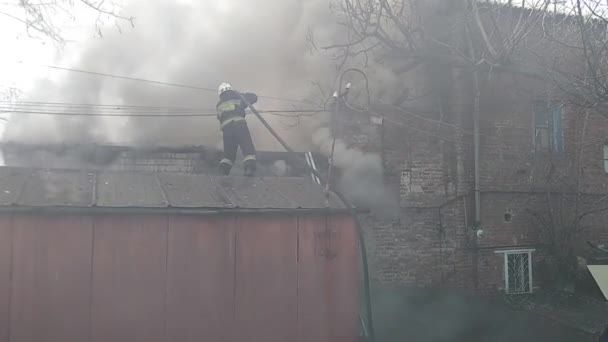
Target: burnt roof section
41,188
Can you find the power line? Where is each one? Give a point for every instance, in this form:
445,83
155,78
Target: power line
109,114
455,126
89,108
144,115
93,105
179,85
422,131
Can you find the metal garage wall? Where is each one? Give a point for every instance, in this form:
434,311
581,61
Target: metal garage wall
200,286
50,279
177,278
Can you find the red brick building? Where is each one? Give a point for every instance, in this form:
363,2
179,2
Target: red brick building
533,143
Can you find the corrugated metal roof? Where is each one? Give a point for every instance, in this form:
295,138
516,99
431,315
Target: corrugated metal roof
24,187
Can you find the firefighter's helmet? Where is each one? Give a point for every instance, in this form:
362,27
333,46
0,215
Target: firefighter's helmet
223,87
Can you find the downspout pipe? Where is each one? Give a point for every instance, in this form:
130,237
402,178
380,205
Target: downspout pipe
476,110
476,149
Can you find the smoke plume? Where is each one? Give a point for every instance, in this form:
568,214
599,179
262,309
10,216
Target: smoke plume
361,178
258,46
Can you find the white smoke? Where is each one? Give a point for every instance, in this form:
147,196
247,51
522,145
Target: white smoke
361,174
279,168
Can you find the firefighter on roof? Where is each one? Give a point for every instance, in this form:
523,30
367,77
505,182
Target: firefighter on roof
231,114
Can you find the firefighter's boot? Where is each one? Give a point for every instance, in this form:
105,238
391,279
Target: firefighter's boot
225,167
250,168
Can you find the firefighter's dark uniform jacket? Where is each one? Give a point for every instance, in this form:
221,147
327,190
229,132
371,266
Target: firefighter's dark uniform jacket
231,114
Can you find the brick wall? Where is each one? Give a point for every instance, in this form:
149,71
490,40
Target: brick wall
428,160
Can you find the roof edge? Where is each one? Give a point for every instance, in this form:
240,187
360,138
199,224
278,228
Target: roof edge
167,210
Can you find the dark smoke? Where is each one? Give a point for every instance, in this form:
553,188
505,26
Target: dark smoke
434,315
258,46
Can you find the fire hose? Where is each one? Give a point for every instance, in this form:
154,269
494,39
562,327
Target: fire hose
351,209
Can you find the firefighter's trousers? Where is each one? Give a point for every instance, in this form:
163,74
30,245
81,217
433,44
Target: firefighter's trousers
237,134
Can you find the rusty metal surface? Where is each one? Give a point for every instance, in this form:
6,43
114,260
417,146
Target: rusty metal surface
115,189
200,282
170,277
129,275
51,279
327,278
266,285
340,277
6,239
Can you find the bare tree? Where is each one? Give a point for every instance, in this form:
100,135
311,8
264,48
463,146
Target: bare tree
562,42
563,214
43,18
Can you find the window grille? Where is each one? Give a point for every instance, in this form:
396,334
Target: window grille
518,271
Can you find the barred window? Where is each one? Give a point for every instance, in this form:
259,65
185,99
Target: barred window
518,271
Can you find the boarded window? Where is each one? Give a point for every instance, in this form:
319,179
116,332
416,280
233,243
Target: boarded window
548,135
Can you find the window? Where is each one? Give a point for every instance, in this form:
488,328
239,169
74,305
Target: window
548,136
606,157
518,271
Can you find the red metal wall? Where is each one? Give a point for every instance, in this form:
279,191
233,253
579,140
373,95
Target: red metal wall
105,278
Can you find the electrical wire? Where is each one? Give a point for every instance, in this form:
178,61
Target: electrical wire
288,113
422,131
176,115
454,126
171,84
362,73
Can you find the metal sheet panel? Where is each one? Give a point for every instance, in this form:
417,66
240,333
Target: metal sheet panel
201,191
200,283
302,192
250,192
129,274
112,189
58,188
188,191
266,279
129,189
6,239
327,279
51,274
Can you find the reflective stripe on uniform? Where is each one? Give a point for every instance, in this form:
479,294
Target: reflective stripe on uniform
249,157
226,161
227,106
233,119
